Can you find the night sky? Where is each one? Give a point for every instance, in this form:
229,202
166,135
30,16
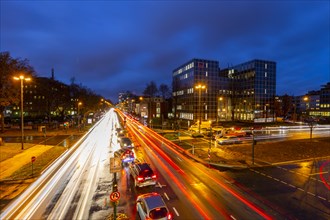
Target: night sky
113,46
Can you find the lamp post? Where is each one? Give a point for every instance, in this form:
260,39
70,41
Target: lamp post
220,109
78,123
22,78
294,113
199,87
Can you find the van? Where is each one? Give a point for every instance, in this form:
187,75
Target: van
204,125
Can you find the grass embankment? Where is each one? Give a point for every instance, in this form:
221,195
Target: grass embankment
20,179
9,150
39,165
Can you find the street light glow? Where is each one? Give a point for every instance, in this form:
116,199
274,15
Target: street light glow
200,86
22,78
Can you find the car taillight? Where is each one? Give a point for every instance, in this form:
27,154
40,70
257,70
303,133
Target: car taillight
139,178
154,176
169,216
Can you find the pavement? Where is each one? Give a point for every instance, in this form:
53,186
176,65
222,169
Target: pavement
35,132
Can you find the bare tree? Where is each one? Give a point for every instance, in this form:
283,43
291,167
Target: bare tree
10,67
151,89
164,91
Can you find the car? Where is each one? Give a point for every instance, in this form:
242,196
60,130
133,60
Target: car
142,174
118,130
126,142
229,140
197,135
152,206
126,155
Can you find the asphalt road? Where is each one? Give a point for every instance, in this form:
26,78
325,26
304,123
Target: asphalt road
80,187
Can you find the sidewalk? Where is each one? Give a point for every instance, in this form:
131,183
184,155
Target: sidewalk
9,166
35,132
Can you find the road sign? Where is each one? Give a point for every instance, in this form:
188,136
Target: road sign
33,158
114,196
115,165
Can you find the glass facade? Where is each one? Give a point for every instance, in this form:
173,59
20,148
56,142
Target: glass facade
254,90
191,103
243,92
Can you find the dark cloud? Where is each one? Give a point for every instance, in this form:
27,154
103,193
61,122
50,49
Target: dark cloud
113,46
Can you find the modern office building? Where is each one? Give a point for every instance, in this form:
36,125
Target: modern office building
194,103
243,92
253,91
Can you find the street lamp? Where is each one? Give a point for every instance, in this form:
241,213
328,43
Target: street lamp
199,87
22,78
78,123
220,108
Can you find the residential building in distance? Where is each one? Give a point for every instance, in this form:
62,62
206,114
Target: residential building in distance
317,103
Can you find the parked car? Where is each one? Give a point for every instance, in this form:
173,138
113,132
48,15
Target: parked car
152,206
143,175
197,135
126,142
229,140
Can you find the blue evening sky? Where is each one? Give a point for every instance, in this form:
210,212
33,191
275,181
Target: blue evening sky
114,46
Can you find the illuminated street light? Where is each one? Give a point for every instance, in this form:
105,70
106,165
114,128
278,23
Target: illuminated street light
78,123
199,87
220,107
22,78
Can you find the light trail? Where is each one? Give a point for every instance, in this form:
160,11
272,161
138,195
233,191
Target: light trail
171,146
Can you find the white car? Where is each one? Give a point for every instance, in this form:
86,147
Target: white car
152,206
229,140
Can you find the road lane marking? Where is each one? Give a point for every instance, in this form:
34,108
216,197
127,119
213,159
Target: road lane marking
312,174
179,158
160,185
311,193
176,212
232,217
166,196
320,197
292,185
300,189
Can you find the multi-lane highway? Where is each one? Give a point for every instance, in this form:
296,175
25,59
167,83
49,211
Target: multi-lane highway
78,184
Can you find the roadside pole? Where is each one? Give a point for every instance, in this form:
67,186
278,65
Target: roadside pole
210,144
254,142
33,158
115,166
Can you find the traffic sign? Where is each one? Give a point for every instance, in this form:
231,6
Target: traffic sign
115,164
114,196
33,158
